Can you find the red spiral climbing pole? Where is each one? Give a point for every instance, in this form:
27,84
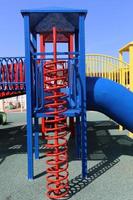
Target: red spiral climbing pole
55,78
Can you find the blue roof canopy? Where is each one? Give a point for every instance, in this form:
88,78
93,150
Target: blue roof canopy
65,20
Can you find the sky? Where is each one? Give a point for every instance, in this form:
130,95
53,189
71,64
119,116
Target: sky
109,24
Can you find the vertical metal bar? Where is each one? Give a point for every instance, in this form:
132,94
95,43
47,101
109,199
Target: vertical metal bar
78,138
71,49
54,43
34,90
36,138
83,94
28,73
126,84
42,50
36,86
91,65
36,131
78,130
76,61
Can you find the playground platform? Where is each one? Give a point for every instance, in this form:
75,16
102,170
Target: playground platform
110,163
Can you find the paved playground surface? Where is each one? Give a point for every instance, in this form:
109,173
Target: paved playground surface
110,163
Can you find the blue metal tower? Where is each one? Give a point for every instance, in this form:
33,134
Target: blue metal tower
37,22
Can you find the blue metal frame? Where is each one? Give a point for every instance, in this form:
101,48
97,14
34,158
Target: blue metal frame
54,10
34,77
36,110
58,53
33,43
28,72
78,138
78,127
82,77
36,137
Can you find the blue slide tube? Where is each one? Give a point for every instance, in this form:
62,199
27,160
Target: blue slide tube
112,99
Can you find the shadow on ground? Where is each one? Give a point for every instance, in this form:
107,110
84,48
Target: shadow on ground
78,183
12,141
102,146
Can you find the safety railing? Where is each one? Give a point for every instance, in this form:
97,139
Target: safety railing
39,71
99,65
12,74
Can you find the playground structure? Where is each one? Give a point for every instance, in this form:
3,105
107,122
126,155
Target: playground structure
56,87
55,90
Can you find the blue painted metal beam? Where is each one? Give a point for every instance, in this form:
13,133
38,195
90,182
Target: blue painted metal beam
36,137
76,62
54,10
68,113
28,72
58,53
78,138
82,79
36,124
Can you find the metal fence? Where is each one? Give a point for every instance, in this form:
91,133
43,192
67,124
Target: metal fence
12,74
99,65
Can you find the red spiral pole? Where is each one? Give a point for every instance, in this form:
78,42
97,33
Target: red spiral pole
55,131
55,78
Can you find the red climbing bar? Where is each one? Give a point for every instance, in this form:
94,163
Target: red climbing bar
54,42
71,119
42,49
55,126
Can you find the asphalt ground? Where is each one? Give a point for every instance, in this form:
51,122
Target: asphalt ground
110,163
